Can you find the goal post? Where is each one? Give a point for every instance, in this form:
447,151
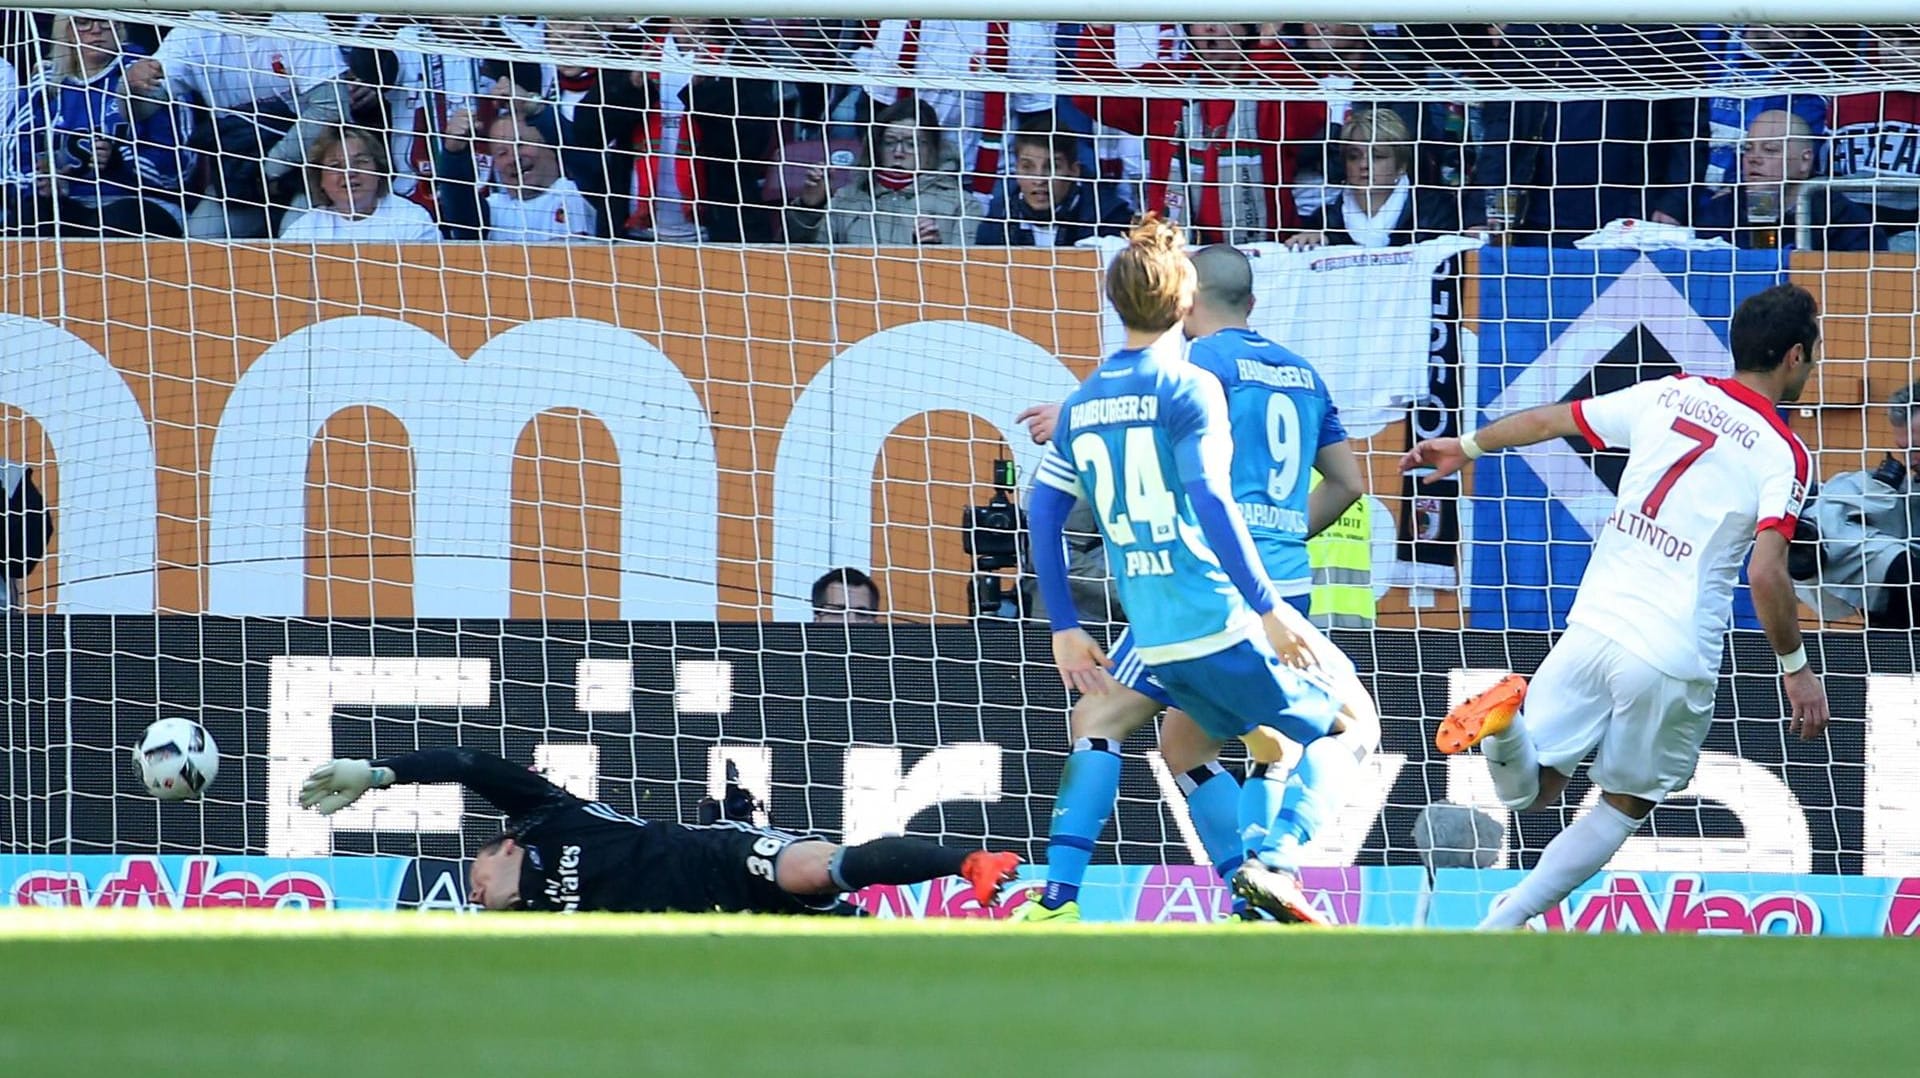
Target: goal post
537,404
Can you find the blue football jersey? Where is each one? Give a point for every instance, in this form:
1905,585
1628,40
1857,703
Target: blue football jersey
1127,442
1282,416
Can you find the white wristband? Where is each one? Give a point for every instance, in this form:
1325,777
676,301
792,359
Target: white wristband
1794,661
1471,447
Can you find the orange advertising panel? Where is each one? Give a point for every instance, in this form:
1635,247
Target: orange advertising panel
1870,307
650,428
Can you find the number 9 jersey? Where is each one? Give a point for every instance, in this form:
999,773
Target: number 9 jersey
1282,417
1130,439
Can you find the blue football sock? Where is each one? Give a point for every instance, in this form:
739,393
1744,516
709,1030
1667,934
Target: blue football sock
1314,791
1260,801
1088,787
1213,800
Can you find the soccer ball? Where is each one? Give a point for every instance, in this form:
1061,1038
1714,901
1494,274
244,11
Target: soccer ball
176,759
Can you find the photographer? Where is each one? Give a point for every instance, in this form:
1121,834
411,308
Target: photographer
1867,521
1092,585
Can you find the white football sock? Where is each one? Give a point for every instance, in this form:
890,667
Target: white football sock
1514,763
1572,858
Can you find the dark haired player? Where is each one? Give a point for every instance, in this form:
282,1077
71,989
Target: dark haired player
565,854
1713,478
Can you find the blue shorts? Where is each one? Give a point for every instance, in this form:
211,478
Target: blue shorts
1230,692
1129,670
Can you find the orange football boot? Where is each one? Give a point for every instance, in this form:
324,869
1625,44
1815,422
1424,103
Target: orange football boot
1482,716
988,872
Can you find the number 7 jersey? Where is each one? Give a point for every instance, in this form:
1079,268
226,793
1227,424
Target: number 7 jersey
1129,440
1710,465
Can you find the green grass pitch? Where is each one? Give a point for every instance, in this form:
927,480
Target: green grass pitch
347,996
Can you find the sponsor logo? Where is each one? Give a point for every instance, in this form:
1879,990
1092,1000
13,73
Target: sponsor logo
563,888
1903,909
940,898
1628,903
143,882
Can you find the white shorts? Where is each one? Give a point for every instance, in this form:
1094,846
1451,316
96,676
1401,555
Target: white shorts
1647,724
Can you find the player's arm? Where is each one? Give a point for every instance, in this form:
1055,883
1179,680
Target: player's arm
1056,487
512,789
1779,611
1203,455
1445,456
1782,497
1341,484
1606,422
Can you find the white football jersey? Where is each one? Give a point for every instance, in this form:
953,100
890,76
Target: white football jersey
394,220
1710,465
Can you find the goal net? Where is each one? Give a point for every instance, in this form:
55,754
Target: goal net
383,383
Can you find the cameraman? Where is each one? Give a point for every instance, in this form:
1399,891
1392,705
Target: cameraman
1867,522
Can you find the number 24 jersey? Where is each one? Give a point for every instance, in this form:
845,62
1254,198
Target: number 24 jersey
1144,425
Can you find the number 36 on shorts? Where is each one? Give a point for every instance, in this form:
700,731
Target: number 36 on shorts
765,850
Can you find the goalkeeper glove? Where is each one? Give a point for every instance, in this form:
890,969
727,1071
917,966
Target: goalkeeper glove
338,783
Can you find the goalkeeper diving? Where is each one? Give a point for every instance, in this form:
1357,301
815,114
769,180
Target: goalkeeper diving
565,854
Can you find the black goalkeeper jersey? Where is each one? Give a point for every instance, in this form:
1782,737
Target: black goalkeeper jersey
583,855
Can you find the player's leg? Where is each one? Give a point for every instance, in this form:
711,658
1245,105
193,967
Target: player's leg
1212,793
1329,701
1090,782
1649,749
1533,736
815,869
1248,692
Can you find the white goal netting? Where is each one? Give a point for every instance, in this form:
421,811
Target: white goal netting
374,383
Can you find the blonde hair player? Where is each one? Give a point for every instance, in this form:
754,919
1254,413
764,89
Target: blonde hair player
1147,440
1285,427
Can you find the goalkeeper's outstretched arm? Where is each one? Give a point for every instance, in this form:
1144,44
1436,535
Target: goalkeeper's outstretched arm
513,790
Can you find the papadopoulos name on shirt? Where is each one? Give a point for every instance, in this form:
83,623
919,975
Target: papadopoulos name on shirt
1664,542
1104,411
1704,411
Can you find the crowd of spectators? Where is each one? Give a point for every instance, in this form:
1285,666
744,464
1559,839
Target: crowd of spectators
115,128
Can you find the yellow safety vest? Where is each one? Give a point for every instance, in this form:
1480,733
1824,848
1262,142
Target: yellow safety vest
1342,560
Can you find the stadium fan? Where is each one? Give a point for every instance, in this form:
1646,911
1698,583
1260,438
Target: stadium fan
1217,166
1380,205
269,97
702,142
1193,581
1713,478
1749,58
1764,209
350,197
1048,203
528,201
562,853
905,194
102,161
1279,382
894,52
1555,171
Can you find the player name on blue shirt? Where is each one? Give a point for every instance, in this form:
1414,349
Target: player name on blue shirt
1107,411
